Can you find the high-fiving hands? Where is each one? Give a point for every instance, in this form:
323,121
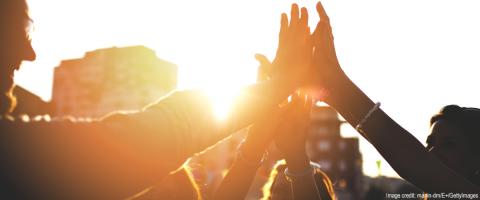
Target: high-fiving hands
294,52
308,59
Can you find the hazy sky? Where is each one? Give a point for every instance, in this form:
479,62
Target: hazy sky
413,56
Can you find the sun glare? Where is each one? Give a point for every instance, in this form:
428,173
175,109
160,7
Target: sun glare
222,98
221,77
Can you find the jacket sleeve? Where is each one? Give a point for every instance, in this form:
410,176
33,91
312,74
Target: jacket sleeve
111,158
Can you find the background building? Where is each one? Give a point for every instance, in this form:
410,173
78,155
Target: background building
111,79
339,157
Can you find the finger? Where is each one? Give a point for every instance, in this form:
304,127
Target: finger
283,23
300,107
262,59
304,17
316,35
282,36
294,18
307,107
321,12
309,42
324,19
303,28
319,33
308,104
296,100
302,104
264,69
305,100
329,31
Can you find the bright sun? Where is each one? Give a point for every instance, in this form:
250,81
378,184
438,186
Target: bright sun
221,78
222,99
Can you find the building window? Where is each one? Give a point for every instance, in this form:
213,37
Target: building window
342,184
320,131
325,164
323,146
342,165
342,145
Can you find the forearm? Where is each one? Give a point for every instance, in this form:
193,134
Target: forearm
192,113
65,160
410,158
304,185
123,153
237,182
239,178
401,149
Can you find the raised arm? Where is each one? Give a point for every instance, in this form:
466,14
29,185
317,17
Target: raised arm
250,156
291,142
401,149
237,182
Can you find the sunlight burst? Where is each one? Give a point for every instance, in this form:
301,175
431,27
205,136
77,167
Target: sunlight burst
222,98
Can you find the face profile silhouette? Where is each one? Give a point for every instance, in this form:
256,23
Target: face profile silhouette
15,27
454,140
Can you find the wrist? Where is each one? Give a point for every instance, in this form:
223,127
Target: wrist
350,101
340,92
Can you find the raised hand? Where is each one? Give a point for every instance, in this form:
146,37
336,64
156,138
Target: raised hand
292,132
327,72
294,52
265,67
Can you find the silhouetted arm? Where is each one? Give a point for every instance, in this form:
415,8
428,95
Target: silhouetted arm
121,154
401,149
237,182
291,141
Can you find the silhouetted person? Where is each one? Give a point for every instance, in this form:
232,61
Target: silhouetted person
449,164
121,154
279,187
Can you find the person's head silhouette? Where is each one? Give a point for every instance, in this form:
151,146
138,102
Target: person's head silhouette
15,26
455,140
278,187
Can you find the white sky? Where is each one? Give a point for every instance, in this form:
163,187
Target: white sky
413,56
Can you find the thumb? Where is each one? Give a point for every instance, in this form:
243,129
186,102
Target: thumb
265,66
262,59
